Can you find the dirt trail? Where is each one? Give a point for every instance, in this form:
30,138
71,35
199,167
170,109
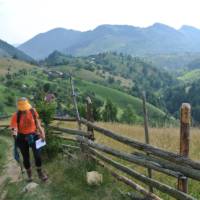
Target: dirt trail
12,170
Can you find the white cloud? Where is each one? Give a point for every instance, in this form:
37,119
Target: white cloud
22,19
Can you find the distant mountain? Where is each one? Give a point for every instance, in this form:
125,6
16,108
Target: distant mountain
155,39
43,44
7,50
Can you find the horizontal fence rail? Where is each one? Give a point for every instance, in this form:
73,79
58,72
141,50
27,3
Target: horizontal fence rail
145,147
70,131
149,181
66,119
195,174
135,186
5,117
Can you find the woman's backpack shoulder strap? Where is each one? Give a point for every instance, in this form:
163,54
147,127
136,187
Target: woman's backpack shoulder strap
18,118
34,115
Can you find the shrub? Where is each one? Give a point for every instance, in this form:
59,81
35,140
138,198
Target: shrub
109,112
46,111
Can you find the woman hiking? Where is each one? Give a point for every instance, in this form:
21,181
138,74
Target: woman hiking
26,129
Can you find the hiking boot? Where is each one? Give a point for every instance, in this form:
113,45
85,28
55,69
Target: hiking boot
42,175
29,174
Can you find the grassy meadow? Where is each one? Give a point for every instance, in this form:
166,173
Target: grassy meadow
121,99
14,65
190,76
3,147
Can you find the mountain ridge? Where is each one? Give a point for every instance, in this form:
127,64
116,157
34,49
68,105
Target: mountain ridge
7,50
157,38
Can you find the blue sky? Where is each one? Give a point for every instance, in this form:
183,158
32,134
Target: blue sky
22,19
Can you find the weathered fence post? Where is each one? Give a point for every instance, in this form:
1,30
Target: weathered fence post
75,102
146,132
185,118
89,116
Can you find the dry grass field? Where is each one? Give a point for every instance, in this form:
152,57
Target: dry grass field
14,65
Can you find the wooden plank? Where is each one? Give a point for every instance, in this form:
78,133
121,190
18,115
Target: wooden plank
148,181
75,102
5,117
146,131
65,138
184,140
162,163
4,126
90,117
187,171
145,147
128,182
66,119
70,146
70,131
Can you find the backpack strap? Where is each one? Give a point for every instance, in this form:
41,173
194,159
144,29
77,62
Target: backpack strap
34,116
18,118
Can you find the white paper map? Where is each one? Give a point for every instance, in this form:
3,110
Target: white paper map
40,143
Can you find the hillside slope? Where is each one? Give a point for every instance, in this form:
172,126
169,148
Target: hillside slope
13,65
124,72
7,50
123,100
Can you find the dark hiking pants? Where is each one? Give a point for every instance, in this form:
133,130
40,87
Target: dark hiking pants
24,142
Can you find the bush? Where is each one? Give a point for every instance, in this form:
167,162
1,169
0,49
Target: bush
47,111
2,106
10,100
109,112
53,144
129,116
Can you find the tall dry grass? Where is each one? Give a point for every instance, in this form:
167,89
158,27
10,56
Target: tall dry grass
165,138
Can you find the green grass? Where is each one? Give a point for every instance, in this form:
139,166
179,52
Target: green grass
68,181
190,76
120,99
3,147
79,72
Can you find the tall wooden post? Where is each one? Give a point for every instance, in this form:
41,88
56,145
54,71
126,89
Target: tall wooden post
146,130
89,116
185,119
75,102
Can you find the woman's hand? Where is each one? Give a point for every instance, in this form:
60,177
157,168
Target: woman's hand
14,132
40,129
42,135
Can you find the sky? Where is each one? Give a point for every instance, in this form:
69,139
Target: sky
20,20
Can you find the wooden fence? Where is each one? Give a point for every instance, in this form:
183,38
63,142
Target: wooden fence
175,165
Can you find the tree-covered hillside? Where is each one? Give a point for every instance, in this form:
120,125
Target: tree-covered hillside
184,92
176,63
36,82
124,72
